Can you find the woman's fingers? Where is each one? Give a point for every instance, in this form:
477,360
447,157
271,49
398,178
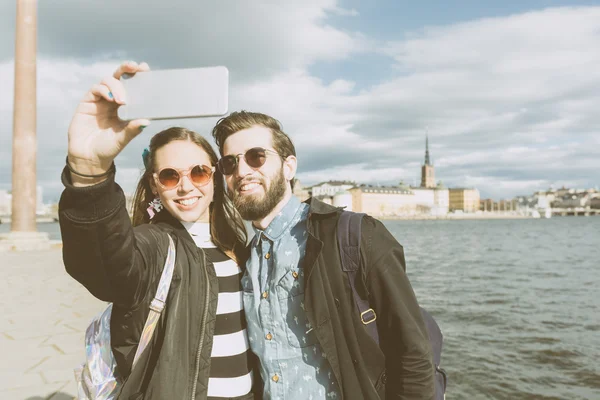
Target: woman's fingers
116,88
133,128
128,67
144,67
102,91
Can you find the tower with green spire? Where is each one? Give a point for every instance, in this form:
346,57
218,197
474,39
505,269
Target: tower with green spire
427,170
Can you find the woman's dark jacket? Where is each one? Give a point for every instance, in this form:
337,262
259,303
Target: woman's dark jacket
402,366
121,264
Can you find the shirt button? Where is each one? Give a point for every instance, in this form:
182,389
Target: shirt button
295,275
269,336
275,378
265,295
267,256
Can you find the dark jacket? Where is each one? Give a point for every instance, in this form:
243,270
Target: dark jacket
402,368
121,264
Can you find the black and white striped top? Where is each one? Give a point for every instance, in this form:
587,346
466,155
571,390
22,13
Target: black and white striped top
230,368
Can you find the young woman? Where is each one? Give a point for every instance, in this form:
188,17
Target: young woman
199,349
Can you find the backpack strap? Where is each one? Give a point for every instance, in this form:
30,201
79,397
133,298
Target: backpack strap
158,303
349,235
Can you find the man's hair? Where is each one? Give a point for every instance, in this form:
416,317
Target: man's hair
240,120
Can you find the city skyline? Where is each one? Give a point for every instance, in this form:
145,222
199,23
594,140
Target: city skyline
507,100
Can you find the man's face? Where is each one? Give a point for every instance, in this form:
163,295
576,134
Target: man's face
255,191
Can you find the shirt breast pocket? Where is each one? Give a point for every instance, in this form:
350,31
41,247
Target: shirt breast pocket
246,283
290,294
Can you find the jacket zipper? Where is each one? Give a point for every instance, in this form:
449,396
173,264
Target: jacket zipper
199,352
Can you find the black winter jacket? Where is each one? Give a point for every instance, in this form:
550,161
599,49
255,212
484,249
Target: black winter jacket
402,368
121,264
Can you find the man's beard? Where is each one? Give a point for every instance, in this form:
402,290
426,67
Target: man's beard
252,208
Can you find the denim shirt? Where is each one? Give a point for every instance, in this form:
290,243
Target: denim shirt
293,365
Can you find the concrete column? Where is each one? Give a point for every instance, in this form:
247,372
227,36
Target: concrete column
24,235
24,120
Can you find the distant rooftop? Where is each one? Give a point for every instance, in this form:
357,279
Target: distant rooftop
384,189
335,183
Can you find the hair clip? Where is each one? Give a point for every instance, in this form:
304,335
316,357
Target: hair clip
145,155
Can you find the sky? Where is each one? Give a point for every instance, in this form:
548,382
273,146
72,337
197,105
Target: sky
508,92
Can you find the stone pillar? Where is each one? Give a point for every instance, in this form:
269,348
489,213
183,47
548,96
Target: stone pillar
24,235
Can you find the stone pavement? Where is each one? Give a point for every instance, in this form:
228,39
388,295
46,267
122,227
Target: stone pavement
44,316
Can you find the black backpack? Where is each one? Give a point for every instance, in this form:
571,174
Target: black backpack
348,235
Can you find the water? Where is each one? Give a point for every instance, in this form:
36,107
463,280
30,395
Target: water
51,228
517,301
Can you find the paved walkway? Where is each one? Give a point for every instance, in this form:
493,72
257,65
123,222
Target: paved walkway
44,316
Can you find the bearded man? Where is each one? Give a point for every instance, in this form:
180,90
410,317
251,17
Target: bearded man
302,321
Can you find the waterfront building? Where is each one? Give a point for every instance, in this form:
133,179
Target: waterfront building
330,188
430,198
441,201
40,207
382,201
5,202
486,205
300,191
464,199
545,198
343,199
572,200
432,201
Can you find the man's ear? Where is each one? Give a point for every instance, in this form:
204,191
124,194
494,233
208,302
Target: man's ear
290,165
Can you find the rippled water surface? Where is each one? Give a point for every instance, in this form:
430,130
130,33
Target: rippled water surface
517,300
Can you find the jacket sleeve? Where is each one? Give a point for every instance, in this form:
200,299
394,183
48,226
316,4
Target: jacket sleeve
402,331
100,249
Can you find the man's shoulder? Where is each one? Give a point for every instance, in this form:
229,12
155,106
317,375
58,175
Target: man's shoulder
318,207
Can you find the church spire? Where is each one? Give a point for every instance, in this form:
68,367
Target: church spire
427,160
427,170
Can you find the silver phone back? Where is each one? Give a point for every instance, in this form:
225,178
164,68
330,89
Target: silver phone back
176,93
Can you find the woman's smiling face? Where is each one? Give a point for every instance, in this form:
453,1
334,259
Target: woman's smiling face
186,202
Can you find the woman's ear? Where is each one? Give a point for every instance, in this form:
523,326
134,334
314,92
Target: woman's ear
153,185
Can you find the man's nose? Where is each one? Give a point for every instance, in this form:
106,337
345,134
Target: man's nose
242,169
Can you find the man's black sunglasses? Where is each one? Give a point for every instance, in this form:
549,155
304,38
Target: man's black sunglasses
254,157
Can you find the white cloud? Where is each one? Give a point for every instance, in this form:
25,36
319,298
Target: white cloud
510,103
255,38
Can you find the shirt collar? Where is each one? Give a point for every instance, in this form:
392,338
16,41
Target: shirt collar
281,222
201,230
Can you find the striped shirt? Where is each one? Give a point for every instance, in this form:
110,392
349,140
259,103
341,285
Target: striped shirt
230,368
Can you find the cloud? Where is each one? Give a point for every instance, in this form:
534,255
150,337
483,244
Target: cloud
80,42
508,97
510,104
255,38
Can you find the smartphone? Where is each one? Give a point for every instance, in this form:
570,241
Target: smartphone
176,93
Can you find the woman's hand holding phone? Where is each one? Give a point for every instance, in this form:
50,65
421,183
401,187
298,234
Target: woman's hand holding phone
96,134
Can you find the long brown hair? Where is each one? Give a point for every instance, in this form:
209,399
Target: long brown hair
226,226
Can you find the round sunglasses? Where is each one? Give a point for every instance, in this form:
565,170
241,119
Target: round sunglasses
170,178
254,157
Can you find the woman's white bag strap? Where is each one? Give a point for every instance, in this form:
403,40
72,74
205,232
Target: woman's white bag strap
97,378
158,303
